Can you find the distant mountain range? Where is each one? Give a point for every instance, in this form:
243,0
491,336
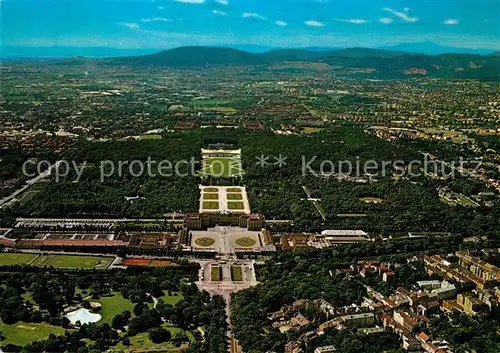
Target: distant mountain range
7,51
376,62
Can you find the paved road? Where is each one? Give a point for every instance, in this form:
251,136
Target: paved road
226,287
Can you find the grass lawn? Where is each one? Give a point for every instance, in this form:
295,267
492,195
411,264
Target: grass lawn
210,196
223,110
172,299
28,196
16,258
312,130
174,329
233,190
27,297
23,333
352,215
235,205
215,272
205,241
112,306
371,199
68,261
245,242
234,196
222,167
141,341
211,205
211,190
236,273
150,137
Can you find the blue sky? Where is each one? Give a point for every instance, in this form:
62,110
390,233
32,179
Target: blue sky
276,23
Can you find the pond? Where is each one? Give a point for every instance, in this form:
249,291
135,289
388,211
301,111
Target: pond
84,316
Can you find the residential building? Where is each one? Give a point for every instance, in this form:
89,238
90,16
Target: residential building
325,349
471,304
358,320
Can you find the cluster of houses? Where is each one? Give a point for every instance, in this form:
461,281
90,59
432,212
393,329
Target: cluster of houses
406,312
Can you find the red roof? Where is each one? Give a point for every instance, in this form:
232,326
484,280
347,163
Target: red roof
423,337
7,242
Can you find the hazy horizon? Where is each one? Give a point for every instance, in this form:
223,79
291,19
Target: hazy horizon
13,52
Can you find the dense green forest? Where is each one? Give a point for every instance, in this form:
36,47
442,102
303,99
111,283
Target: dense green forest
409,203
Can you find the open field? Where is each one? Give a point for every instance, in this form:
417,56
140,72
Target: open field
215,273
210,205
235,205
113,305
23,333
205,241
236,273
245,242
15,259
69,261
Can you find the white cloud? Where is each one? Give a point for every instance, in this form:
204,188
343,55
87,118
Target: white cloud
450,21
130,25
254,15
385,20
191,1
156,19
354,21
222,2
314,23
220,13
281,23
402,15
